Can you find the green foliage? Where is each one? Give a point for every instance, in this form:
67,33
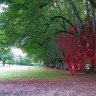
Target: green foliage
29,24
6,55
24,61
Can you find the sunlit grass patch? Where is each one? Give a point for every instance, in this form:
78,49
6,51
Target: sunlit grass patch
27,72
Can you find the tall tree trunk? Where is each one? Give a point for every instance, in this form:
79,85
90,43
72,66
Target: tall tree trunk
9,62
94,31
78,19
93,19
60,11
87,11
59,57
3,63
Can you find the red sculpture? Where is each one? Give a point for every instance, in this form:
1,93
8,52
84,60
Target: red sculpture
76,51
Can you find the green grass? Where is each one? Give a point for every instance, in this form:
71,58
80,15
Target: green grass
26,72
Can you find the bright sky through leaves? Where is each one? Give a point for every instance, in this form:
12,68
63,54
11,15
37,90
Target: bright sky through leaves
2,7
18,52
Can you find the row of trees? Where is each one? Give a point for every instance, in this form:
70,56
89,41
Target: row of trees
32,24
19,60
8,57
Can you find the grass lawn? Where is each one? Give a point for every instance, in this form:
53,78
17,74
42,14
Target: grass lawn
26,72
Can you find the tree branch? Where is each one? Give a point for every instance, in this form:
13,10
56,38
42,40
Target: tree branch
61,17
53,35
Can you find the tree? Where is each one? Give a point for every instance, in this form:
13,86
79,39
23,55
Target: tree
6,55
32,25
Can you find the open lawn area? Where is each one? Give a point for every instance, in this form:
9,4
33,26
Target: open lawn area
27,72
41,81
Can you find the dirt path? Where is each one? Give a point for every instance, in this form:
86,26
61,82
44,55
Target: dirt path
79,86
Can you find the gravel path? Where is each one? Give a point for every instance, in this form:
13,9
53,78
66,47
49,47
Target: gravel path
82,86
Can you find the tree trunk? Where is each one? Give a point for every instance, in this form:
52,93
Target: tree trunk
94,31
87,11
3,63
9,62
77,17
